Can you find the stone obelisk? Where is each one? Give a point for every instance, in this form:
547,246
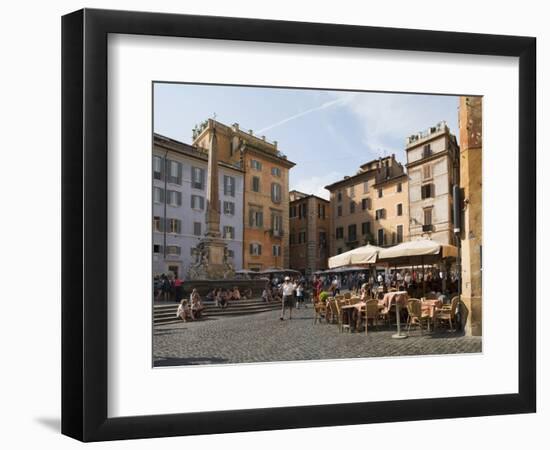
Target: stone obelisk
212,262
212,189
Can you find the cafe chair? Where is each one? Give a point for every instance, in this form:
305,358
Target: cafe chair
416,316
370,312
447,314
320,310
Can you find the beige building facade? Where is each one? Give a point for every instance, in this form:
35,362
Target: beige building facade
370,206
470,126
309,232
433,169
266,199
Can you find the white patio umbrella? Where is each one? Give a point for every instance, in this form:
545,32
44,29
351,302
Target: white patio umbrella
419,247
360,255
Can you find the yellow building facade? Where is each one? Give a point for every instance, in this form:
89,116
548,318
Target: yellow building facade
370,206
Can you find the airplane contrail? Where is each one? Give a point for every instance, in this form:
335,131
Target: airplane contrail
308,111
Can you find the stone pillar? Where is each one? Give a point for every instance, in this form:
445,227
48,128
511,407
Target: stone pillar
212,189
470,110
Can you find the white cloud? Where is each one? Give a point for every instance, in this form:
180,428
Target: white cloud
387,119
315,184
341,100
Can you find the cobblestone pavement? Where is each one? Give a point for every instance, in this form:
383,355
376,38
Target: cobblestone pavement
263,337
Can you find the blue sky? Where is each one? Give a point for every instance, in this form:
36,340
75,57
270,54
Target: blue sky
328,134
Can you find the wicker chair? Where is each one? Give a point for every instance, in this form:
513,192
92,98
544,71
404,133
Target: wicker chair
320,309
332,312
447,314
347,295
370,312
416,316
339,314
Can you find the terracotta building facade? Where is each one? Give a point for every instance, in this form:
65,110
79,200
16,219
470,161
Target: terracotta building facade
370,206
266,192
309,232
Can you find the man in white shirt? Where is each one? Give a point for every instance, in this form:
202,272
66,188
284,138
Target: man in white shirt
288,289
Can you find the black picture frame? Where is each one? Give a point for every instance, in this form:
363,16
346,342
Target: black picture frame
84,224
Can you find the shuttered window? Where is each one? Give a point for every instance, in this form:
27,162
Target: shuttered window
229,185
352,232
197,228
255,249
158,223
228,232
174,226
399,234
158,169
158,195
174,171
197,202
229,208
256,184
427,191
256,218
276,192
174,198
197,178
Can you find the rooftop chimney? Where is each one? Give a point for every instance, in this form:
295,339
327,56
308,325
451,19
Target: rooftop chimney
236,126
251,132
263,138
275,144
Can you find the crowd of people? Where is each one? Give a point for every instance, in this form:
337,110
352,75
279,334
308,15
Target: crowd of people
297,291
415,282
167,288
222,297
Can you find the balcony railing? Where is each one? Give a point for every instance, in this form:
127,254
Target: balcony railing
427,228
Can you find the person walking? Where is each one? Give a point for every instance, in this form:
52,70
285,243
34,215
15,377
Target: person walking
288,298
300,296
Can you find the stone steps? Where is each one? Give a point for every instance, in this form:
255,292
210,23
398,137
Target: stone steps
165,314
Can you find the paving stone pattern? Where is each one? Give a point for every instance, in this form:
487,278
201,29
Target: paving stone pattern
263,338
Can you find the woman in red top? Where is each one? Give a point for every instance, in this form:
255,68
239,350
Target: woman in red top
178,288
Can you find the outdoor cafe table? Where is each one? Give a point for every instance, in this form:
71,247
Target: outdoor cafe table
398,299
348,310
359,307
429,307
